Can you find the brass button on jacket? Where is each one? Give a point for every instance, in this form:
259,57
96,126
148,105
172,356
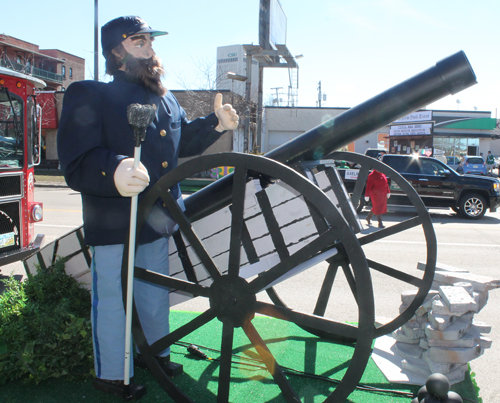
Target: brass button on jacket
164,164
163,133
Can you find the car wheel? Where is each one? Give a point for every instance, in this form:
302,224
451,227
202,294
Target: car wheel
472,206
360,206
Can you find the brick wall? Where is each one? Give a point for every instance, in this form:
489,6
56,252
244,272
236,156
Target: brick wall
74,66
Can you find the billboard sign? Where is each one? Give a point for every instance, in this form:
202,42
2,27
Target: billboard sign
411,130
272,24
415,117
277,25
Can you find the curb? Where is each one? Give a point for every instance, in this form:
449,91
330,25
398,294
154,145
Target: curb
51,185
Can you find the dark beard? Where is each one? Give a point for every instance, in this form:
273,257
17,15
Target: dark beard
146,71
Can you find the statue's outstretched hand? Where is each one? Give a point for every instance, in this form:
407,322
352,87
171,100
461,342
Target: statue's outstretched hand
228,118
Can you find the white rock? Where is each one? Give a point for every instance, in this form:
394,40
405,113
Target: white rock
441,368
442,267
400,336
466,341
481,327
439,308
409,351
441,322
455,355
480,283
481,299
413,332
452,332
466,286
457,299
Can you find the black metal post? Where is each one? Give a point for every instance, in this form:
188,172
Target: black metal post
96,41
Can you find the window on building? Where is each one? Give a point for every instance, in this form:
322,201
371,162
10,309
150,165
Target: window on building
455,146
64,71
70,72
229,60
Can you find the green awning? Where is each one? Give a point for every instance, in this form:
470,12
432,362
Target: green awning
476,124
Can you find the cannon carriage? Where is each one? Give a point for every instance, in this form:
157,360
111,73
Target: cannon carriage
271,221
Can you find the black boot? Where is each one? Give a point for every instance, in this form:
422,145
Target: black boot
129,392
172,369
369,217
380,224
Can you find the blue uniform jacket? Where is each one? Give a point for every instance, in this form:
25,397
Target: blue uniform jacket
94,136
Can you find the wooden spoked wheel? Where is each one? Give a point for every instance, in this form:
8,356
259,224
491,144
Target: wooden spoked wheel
233,299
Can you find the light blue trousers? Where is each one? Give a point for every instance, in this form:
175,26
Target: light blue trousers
108,313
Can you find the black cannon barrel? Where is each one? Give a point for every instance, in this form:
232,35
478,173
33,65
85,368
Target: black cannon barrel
449,76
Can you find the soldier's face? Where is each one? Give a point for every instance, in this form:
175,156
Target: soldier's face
139,46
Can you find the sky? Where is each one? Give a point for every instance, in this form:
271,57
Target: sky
356,48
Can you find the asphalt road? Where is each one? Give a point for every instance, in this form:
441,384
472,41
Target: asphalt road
473,245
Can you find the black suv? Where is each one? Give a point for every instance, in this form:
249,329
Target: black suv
440,186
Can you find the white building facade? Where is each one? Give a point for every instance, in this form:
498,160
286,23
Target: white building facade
233,59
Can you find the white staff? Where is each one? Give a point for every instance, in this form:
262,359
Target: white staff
139,117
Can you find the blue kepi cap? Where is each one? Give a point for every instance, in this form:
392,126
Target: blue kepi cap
119,29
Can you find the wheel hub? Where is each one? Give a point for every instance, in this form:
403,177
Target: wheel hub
232,300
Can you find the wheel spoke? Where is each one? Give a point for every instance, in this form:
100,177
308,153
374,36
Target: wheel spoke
326,288
272,225
350,279
392,230
161,344
237,211
307,320
398,275
186,228
171,282
319,244
225,363
270,362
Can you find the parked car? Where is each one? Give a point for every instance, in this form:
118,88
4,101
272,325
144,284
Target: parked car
374,152
452,162
472,164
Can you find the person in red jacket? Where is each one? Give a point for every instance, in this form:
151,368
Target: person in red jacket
377,189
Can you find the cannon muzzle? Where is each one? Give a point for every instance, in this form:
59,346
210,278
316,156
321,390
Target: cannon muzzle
449,76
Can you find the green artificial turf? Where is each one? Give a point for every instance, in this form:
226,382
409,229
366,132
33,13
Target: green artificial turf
291,346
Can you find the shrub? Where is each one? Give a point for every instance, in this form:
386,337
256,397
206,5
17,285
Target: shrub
45,329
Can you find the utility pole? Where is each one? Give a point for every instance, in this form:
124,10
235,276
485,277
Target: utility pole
320,96
96,42
277,94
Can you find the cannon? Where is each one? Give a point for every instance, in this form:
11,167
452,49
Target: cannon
267,222
273,221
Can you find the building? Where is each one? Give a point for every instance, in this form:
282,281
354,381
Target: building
233,59
57,68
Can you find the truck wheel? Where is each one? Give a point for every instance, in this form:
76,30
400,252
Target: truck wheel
360,206
472,206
